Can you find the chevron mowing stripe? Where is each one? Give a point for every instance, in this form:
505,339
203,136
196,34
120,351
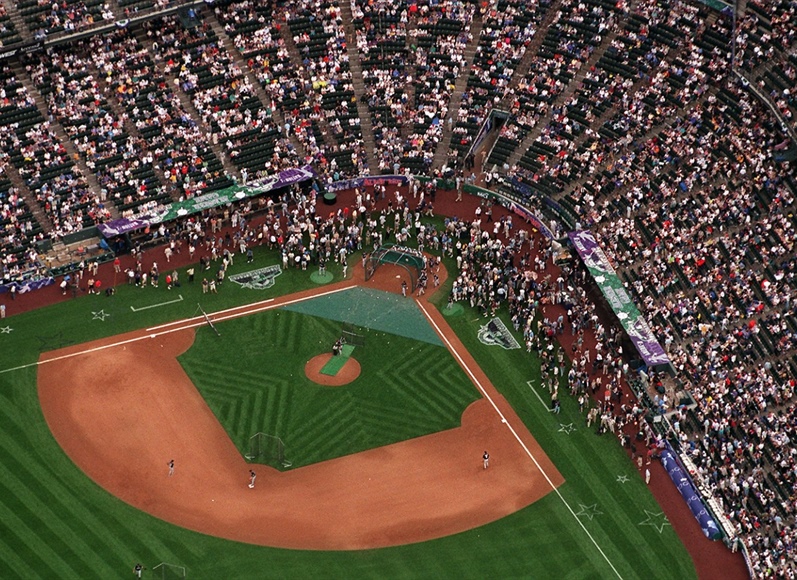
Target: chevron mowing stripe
91,528
254,381
47,522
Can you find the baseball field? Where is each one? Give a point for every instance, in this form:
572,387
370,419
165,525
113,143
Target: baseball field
379,477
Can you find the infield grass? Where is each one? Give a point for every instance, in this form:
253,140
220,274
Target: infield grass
421,389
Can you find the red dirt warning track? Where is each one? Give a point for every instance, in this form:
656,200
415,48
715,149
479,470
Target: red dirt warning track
121,408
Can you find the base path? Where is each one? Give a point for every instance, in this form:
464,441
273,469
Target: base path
121,408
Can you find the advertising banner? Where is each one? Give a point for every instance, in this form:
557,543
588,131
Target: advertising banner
199,203
619,300
690,493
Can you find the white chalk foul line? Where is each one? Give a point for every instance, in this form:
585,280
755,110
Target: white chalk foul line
179,299
478,384
233,309
189,323
533,390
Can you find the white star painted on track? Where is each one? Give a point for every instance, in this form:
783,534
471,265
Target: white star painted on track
6,330
566,429
622,479
589,511
656,520
101,315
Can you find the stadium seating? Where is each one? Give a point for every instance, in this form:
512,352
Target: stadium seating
625,118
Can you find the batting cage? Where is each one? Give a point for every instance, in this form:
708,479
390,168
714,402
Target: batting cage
165,571
267,449
352,335
408,258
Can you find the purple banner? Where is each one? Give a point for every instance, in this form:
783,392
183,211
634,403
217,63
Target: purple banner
27,285
121,226
345,184
283,178
690,493
619,300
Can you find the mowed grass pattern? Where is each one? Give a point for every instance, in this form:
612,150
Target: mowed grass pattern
417,390
53,523
56,523
612,510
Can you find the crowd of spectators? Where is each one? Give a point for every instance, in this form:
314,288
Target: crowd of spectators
316,29
75,97
508,27
699,219
656,148
437,40
221,93
19,230
52,177
44,18
381,38
576,31
765,41
170,135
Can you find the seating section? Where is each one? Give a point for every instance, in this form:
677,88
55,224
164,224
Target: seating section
19,230
765,48
8,31
222,95
317,30
172,138
437,53
631,88
70,83
46,18
507,29
384,55
577,30
51,175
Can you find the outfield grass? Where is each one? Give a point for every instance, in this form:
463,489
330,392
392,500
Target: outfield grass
593,465
56,523
75,320
420,391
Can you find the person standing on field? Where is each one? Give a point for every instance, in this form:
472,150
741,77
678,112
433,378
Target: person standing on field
486,460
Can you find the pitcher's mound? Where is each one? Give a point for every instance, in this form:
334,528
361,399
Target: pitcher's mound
349,371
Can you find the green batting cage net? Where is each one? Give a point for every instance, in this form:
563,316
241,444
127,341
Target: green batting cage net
166,571
408,258
267,449
352,335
